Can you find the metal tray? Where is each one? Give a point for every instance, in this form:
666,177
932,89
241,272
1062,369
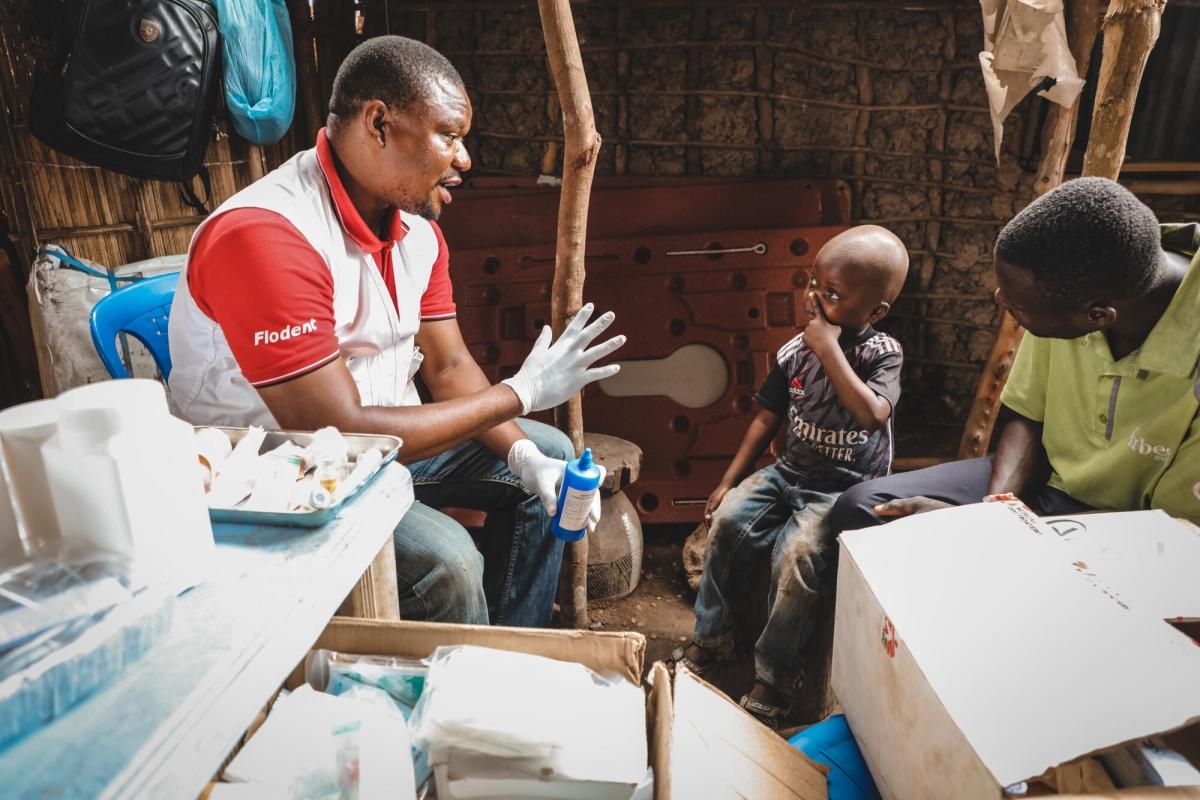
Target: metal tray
390,445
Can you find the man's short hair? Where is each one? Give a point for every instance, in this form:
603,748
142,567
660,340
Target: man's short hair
1087,239
393,69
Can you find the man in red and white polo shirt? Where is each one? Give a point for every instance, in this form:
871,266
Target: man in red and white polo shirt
314,296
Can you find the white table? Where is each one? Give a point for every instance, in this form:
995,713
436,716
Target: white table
164,727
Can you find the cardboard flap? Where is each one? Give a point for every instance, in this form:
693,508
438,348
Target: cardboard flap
620,653
1036,661
720,751
660,716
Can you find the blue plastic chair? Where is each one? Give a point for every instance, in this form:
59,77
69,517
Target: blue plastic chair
141,310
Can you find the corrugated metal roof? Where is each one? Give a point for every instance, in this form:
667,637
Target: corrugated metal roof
1166,120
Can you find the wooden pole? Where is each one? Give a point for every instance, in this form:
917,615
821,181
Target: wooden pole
582,146
377,593
1130,31
1083,22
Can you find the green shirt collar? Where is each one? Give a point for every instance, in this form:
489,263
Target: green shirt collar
1173,346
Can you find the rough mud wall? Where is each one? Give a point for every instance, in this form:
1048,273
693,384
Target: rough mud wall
887,99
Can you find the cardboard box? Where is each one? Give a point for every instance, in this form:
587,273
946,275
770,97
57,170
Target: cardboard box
980,647
701,745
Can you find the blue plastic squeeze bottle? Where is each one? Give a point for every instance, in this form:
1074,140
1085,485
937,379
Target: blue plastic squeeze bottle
580,483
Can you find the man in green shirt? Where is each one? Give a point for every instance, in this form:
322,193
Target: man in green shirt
1104,395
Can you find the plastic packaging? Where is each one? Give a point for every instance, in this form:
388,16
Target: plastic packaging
403,679
260,68
123,476
328,444
365,466
275,477
314,745
394,680
60,304
520,718
581,482
212,448
38,595
830,742
46,676
234,480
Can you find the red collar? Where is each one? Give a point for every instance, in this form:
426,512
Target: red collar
348,215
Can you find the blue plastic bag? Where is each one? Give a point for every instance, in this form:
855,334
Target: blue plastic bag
260,68
832,743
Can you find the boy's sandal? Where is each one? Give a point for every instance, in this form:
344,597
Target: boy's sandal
770,715
679,658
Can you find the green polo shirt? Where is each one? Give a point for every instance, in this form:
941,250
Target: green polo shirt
1122,434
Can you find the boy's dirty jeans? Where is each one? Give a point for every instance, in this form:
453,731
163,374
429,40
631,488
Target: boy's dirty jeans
441,574
766,514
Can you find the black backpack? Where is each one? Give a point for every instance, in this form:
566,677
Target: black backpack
131,85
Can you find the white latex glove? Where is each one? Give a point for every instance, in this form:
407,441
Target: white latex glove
553,373
543,476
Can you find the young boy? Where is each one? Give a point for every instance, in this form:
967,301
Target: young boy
837,384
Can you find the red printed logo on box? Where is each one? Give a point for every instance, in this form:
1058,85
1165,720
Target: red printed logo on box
889,638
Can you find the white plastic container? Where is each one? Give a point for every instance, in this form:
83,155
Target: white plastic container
23,431
12,549
124,478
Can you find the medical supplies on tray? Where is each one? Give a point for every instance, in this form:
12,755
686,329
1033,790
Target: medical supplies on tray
302,473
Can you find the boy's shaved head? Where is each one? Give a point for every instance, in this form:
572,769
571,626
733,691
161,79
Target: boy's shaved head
876,256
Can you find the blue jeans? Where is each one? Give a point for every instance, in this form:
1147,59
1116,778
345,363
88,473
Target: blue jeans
766,514
955,482
443,576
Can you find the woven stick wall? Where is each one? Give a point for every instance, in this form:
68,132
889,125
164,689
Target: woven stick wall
885,96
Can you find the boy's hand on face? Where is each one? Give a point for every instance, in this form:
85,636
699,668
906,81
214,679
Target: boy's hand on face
820,335
714,500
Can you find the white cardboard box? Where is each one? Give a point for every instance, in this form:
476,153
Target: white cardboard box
978,647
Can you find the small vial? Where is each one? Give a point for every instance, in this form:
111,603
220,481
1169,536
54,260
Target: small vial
328,474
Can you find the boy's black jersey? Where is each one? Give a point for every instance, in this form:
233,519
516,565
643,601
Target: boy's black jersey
824,444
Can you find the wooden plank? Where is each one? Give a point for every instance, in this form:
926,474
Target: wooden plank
376,595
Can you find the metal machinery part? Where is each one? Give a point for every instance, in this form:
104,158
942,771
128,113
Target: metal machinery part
706,278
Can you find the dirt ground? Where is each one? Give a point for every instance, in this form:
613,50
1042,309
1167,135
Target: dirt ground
660,607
